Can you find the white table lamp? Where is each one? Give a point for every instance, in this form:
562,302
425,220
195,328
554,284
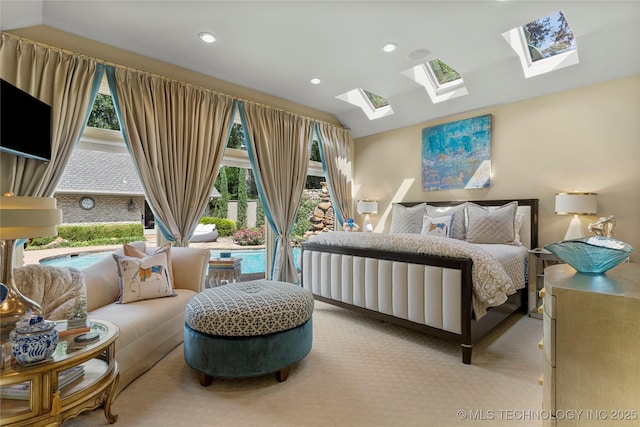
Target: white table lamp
367,207
576,204
21,218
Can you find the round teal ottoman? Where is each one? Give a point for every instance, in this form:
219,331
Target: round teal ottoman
247,329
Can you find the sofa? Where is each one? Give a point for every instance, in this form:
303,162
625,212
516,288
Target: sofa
151,328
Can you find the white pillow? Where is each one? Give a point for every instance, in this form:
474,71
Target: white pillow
407,219
458,229
144,278
491,226
438,226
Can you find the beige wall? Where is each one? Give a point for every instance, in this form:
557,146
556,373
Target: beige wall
585,139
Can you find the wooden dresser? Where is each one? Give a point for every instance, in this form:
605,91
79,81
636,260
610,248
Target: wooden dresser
591,346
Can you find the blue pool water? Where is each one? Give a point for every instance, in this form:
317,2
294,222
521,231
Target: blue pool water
253,260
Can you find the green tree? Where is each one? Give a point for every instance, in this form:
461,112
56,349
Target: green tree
220,206
260,217
242,199
103,114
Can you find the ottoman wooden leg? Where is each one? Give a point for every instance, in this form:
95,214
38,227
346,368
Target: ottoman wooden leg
204,379
282,374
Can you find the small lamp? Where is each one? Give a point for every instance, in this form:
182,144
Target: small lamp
367,207
576,204
21,217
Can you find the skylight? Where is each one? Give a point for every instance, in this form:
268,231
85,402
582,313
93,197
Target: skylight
544,45
440,80
374,106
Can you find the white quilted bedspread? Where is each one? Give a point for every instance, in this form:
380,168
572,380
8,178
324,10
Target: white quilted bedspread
493,280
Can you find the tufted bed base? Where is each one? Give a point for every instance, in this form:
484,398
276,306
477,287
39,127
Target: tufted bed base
432,294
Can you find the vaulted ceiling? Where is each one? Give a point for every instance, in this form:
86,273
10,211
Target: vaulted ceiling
276,47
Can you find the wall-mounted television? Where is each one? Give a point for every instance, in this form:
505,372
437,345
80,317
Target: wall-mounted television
25,123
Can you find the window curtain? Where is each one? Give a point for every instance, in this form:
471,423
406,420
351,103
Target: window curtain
176,134
278,145
335,154
67,82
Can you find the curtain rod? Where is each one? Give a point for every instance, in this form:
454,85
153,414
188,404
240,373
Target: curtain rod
103,62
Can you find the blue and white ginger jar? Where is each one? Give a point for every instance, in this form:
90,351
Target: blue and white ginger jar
33,340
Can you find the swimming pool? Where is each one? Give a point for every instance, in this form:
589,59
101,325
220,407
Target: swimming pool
253,260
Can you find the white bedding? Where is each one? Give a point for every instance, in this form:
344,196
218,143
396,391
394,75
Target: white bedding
498,270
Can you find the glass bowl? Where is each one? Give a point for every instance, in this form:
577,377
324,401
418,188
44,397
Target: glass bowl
591,255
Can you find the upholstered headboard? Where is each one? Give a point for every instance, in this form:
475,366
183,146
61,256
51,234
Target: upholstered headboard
528,207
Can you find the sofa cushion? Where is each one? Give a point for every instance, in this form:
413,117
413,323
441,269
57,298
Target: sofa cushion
101,280
143,278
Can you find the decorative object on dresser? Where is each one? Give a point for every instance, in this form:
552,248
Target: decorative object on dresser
367,207
604,226
350,225
33,339
445,286
576,204
21,217
591,345
591,255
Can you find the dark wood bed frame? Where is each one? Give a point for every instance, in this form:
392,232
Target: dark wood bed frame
472,329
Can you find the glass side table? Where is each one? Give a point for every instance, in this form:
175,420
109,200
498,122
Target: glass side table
223,269
541,259
77,378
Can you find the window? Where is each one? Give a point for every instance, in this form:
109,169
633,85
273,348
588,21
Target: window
440,80
374,106
544,45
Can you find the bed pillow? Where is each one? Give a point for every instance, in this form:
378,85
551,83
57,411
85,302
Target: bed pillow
132,251
407,219
438,226
143,278
491,226
458,228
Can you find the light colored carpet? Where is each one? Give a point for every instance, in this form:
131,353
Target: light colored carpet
360,372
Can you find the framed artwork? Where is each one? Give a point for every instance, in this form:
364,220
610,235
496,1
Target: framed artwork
457,155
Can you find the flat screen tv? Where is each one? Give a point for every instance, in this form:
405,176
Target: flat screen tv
25,124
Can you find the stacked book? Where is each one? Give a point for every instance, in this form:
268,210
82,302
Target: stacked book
225,263
64,329
22,391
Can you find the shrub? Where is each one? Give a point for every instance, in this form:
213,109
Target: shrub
303,219
250,236
226,227
90,235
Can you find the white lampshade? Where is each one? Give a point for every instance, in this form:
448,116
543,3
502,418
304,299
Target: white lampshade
25,217
367,207
576,203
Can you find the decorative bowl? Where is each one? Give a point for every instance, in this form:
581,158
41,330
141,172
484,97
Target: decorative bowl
591,255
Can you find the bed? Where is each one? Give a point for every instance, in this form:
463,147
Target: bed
435,284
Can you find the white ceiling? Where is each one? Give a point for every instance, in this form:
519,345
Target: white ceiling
276,47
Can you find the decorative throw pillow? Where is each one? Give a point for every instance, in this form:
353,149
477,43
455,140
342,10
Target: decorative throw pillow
438,226
491,226
458,230
407,219
143,278
166,248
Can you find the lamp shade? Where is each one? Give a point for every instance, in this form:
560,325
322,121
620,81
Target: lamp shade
24,217
576,203
367,207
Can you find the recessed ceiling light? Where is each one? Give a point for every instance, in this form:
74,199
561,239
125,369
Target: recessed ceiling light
315,81
419,55
390,47
207,37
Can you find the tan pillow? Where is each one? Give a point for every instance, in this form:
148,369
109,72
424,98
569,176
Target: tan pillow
135,253
491,226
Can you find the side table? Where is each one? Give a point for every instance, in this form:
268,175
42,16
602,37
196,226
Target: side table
541,259
223,269
36,394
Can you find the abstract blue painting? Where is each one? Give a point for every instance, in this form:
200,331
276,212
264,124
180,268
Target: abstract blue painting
457,155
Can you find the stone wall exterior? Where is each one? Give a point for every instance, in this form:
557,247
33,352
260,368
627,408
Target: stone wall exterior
107,209
323,216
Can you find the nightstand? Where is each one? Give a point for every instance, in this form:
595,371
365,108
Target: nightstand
539,260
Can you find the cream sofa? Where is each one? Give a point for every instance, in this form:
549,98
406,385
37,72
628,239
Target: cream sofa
149,329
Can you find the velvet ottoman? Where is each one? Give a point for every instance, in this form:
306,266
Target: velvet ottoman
247,329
